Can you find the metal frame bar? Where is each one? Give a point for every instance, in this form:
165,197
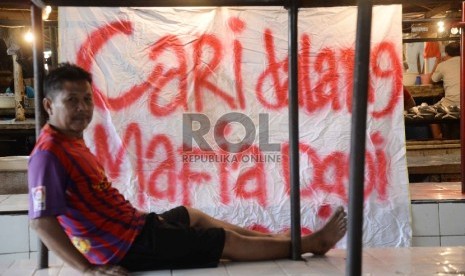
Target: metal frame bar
200,3
462,98
294,131
359,103
38,56
358,138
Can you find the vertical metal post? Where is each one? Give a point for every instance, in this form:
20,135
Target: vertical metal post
38,55
358,137
53,46
462,99
294,131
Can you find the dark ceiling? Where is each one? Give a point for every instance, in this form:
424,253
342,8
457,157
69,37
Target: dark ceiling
431,9
16,12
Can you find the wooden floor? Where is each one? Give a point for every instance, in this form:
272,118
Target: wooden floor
376,261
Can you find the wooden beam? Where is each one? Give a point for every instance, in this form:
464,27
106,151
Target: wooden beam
15,17
198,3
438,10
16,4
22,17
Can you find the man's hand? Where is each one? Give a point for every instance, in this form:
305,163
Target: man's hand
55,238
106,270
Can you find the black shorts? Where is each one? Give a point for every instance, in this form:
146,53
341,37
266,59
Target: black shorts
170,244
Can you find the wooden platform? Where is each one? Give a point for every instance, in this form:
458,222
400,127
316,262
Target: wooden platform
434,157
16,137
432,146
10,112
426,90
434,164
440,191
12,124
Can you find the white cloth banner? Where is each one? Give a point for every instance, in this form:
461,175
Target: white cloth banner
192,108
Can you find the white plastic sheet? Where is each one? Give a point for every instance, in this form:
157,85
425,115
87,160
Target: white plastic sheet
162,74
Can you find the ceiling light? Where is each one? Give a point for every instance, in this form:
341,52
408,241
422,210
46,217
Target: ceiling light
29,36
47,54
46,12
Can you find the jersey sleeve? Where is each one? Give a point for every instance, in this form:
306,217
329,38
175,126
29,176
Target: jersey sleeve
47,180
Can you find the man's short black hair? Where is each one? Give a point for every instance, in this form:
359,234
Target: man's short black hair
55,79
453,49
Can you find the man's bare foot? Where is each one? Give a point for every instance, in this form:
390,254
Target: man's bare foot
324,239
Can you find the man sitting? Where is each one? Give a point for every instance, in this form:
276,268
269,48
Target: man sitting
448,70
92,227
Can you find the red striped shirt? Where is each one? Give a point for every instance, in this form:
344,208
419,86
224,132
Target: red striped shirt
67,181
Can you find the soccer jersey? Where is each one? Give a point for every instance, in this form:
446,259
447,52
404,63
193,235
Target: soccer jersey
67,181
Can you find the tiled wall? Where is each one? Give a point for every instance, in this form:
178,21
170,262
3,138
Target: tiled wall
15,235
433,224
438,224
17,240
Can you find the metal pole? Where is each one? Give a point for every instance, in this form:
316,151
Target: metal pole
294,131
38,55
53,46
358,137
462,100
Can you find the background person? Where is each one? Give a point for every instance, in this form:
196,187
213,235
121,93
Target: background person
409,101
447,69
11,89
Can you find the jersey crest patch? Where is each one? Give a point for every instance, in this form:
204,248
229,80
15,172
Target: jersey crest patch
83,245
38,198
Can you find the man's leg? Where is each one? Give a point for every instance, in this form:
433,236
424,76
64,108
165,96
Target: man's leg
248,248
198,219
